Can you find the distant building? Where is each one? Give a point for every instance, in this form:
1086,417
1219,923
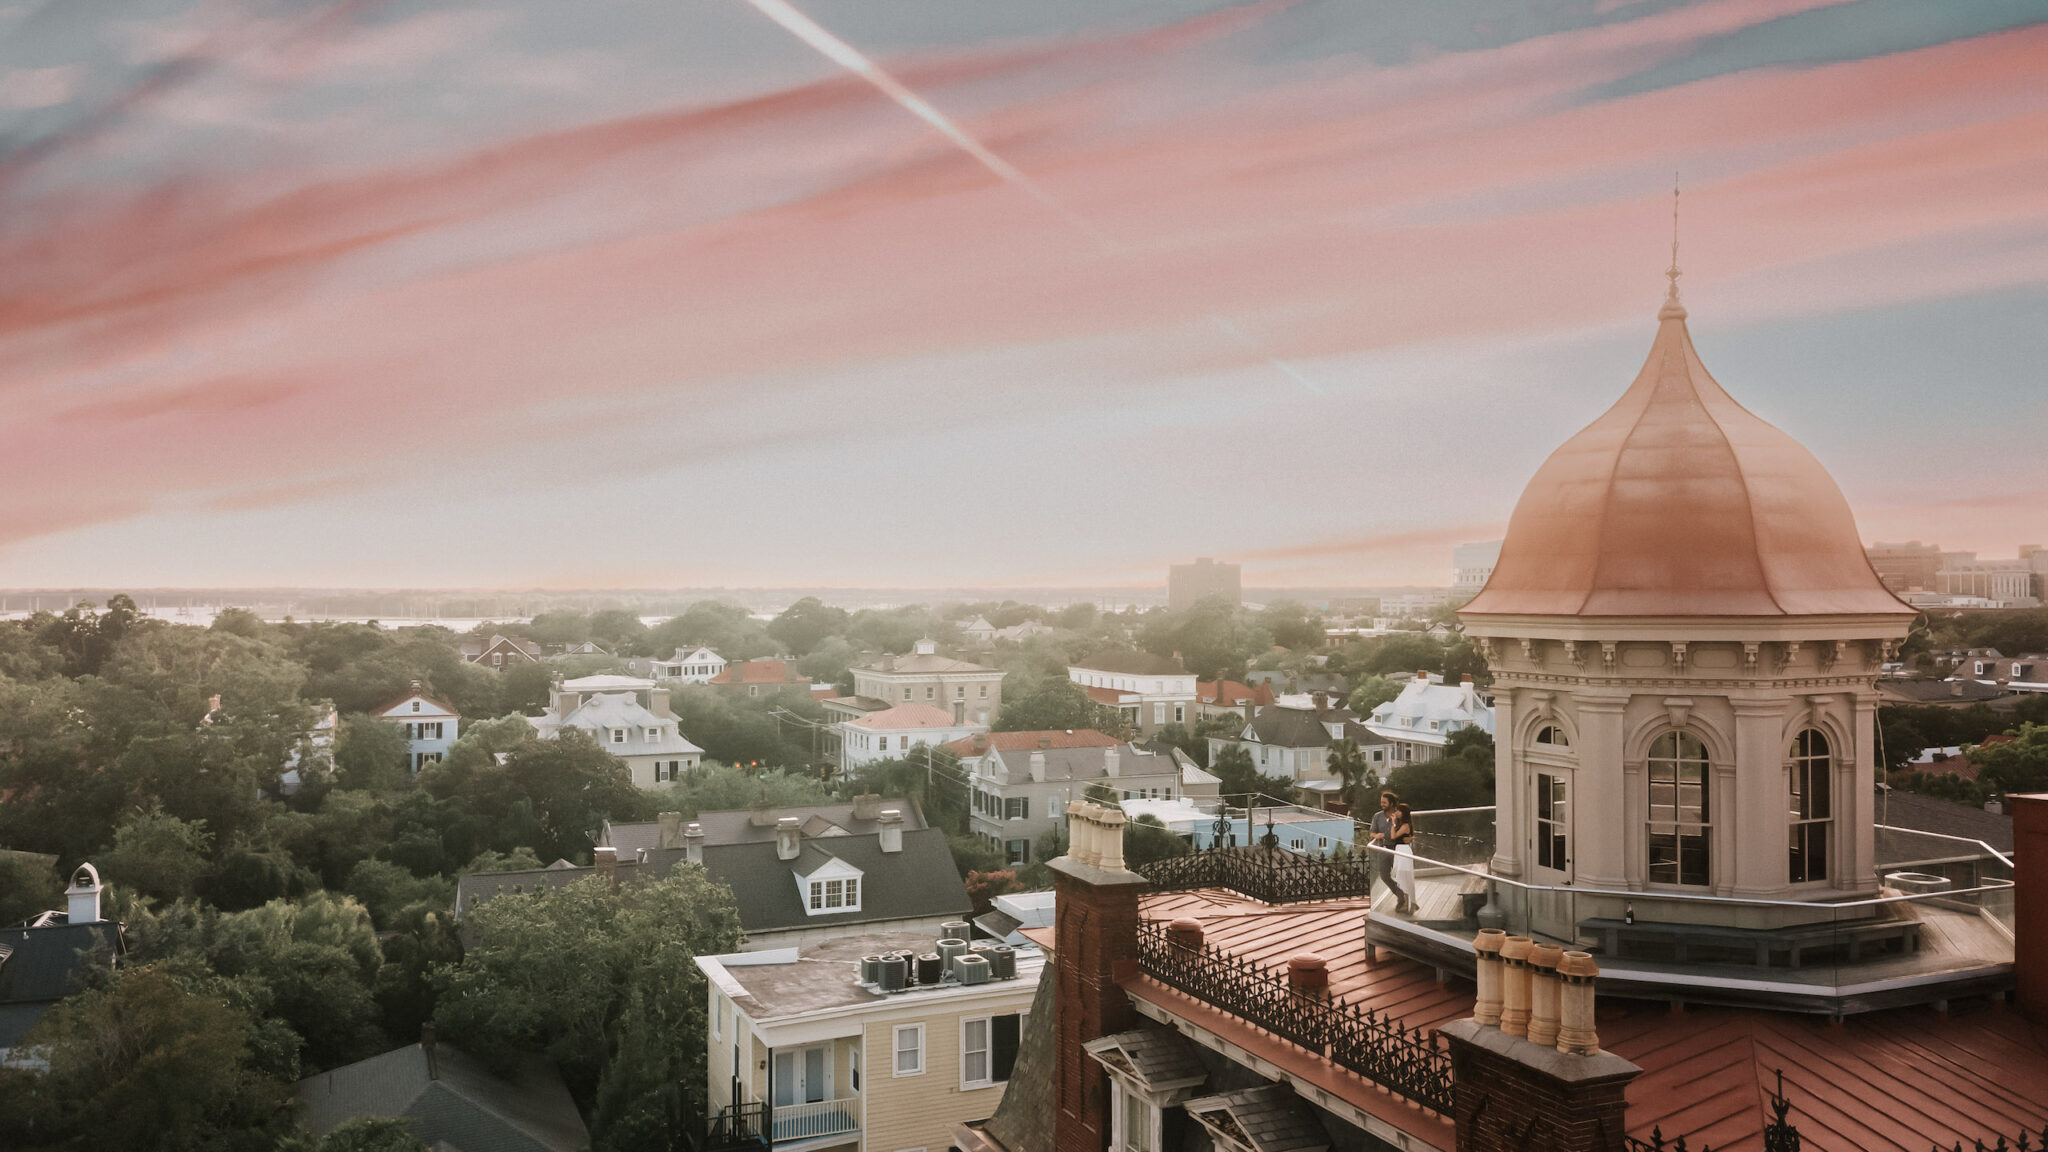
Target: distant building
2013,673
1908,567
801,1055
759,678
1413,605
1188,583
44,959
1023,781
972,692
2016,583
897,732
1148,691
1471,566
1421,719
500,651
686,665
629,717
449,1100
1018,633
1292,737
979,632
429,725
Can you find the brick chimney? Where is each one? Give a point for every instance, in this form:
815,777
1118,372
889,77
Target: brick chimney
607,860
867,806
671,830
1096,929
1510,1094
2030,902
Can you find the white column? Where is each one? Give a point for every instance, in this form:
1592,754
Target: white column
1856,799
1754,826
1597,850
1510,787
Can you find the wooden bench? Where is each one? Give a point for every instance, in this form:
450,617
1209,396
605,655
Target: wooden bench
1763,945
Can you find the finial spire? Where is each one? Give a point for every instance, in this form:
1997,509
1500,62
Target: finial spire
1672,307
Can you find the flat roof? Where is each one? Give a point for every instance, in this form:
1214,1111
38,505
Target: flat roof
826,975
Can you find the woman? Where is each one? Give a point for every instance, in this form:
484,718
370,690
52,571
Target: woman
1402,837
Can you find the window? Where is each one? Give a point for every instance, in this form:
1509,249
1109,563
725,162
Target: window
835,895
960,692
1980,672
718,1020
497,661
1017,808
984,691
1017,851
1812,807
1052,807
1553,821
906,693
885,743
988,1049
654,735
909,1050
1180,713
416,704
1678,810
1553,735
1159,713
1134,1122
618,735
930,692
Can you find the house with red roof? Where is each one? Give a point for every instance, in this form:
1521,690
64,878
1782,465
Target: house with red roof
758,677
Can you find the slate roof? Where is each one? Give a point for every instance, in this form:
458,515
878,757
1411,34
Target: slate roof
39,966
464,1105
736,826
1086,763
1269,1118
1127,662
1954,693
1946,818
1159,1057
1295,727
1024,1118
918,882
1053,737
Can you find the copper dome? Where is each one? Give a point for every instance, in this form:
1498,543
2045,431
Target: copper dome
1680,502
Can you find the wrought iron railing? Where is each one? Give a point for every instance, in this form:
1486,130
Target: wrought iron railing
1406,1061
737,1127
1272,875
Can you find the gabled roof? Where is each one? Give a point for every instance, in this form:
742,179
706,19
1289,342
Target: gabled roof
1283,727
1230,693
760,672
1087,763
39,966
1127,662
1158,1058
918,882
457,1103
736,825
1268,1118
414,693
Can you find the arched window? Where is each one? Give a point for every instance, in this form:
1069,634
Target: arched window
1678,832
1812,805
1552,735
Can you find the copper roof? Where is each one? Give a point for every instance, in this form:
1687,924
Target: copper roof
1893,1081
1678,501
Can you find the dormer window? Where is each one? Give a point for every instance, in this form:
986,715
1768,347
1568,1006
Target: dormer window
618,735
832,888
654,735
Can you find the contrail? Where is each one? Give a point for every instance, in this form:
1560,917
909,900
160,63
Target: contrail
846,56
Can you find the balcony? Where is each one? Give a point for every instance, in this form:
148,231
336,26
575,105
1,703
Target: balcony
802,1122
1939,929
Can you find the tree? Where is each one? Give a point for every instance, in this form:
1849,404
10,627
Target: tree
570,785
29,884
1147,840
2017,765
1292,625
371,754
601,979
1372,692
1057,705
371,1134
1348,765
84,636
722,787
804,625
1461,778
156,853
1239,776
144,1062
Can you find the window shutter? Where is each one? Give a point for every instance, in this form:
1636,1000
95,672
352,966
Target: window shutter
1005,1036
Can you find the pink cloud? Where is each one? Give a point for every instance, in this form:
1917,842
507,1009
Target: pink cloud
216,336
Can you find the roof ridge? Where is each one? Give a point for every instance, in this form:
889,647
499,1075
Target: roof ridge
1691,357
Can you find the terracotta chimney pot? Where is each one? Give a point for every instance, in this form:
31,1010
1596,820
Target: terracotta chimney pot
1308,974
1514,1000
1186,932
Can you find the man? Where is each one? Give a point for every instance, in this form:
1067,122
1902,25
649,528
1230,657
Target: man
1382,834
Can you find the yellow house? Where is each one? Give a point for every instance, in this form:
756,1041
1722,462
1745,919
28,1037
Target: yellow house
805,1056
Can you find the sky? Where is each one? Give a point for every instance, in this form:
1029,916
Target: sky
683,294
